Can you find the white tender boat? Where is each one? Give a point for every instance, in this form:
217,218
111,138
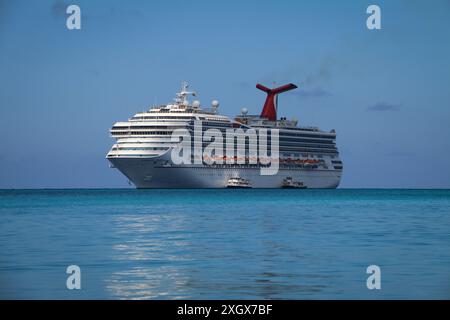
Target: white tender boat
238,183
289,183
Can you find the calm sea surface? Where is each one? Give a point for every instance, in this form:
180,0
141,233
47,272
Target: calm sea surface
223,244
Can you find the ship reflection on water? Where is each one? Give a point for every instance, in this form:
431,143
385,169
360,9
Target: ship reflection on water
181,256
151,254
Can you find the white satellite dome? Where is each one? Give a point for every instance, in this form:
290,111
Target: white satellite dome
244,111
196,104
215,104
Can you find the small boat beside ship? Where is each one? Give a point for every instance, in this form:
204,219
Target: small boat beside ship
238,183
289,183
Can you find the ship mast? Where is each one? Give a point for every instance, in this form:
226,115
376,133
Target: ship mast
182,96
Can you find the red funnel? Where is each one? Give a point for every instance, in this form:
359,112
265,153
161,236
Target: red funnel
270,106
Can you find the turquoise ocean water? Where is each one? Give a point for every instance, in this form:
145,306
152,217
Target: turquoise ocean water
225,244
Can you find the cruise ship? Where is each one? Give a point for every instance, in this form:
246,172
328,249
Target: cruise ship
144,147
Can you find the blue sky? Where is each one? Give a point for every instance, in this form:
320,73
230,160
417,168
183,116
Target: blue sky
385,92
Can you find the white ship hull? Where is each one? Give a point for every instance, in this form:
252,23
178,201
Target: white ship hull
147,173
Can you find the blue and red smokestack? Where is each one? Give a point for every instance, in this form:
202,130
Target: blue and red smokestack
270,106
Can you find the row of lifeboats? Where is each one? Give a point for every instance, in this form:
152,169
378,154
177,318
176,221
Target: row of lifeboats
262,160
300,161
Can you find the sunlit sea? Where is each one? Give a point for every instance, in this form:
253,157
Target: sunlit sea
225,244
